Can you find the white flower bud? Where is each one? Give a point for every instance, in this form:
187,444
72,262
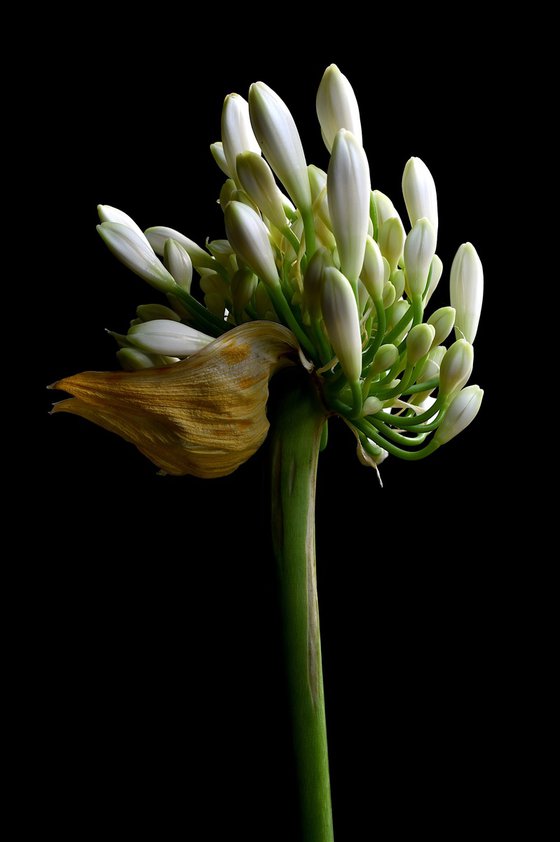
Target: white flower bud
337,106
419,192
340,314
109,214
462,410
435,277
237,134
348,190
255,177
418,342
456,367
391,240
467,287
248,236
384,207
279,139
217,150
136,254
149,312
160,233
162,336
419,250
385,357
373,275
177,260
443,321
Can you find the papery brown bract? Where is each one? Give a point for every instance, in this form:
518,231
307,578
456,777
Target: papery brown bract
203,416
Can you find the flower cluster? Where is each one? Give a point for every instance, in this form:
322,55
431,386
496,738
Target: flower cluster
327,257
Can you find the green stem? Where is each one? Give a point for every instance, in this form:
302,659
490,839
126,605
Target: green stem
296,439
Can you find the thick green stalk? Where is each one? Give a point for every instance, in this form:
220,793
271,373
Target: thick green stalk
296,439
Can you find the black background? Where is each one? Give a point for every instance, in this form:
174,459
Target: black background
156,655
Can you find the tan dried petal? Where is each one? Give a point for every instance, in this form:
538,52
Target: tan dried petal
204,416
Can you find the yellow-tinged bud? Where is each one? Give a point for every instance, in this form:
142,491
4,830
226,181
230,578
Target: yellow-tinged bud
391,240
340,314
435,277
279,139
313,282
348,189
373,275
337,106
258,182
217,150
248,235
149,312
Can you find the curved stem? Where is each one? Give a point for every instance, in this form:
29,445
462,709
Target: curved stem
296,439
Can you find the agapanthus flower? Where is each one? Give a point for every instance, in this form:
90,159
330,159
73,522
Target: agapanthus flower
328,259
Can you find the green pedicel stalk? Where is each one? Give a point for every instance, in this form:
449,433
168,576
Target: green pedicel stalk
296,439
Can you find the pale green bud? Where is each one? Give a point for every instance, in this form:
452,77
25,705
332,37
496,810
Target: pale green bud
133,359
177,260
443,321
348,190
373,275
248,236
384,207
397,279
371,406
313,282
389,295
337,106
166,337
340,315
391,240
463,409
237,133
160,233
456,367
217,150
385,357
419,192
149,312
136,254
258,182
317,181
467,287
228,192
419,250
279,139
435,277
418,342
243,285
428,370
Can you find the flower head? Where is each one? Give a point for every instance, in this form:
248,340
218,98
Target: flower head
329,275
